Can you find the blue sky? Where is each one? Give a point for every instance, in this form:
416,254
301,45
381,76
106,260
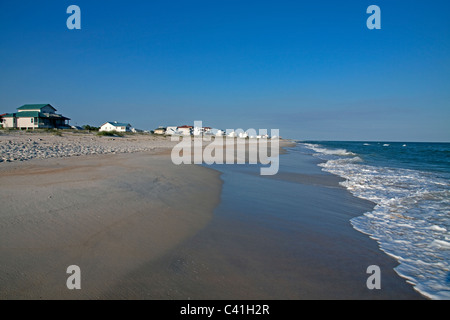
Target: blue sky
309,68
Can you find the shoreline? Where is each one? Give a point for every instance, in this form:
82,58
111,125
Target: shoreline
252,251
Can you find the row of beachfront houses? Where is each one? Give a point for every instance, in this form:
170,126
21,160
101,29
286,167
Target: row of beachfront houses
183,131
44,116
208,131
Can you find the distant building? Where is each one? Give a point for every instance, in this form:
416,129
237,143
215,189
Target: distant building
35,116
198,131
116,126
160,130
172,131
185,130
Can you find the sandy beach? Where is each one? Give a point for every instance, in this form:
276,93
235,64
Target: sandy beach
107,214
140,227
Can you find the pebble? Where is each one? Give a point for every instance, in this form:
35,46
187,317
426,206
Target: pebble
19,148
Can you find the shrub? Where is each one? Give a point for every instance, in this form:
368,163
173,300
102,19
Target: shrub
109,134
90,128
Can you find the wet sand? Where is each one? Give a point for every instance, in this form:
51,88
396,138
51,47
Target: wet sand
273,238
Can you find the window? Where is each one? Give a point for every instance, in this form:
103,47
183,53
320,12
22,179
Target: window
32,120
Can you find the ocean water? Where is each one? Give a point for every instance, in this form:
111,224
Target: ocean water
410,186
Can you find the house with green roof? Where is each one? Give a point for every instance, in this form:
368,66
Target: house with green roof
116,126
35,116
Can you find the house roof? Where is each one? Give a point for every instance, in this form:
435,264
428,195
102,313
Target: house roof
118,124
28,107
185,127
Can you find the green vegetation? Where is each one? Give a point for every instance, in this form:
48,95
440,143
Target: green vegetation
90,128
109,134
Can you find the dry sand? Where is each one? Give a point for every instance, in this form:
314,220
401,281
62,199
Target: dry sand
107,214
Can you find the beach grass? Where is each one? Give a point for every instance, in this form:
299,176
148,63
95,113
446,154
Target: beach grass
110,134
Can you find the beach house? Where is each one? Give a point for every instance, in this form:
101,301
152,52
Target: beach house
197,131
160,131
185,130
172,131
35,116
207,130
116,126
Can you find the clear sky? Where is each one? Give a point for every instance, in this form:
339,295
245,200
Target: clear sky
309,68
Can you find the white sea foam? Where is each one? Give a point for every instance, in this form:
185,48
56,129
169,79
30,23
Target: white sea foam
337,152
437,228
441,244
410,221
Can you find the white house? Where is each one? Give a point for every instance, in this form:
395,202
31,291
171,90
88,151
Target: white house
172,131
185,130
160,131
207,130
116,126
